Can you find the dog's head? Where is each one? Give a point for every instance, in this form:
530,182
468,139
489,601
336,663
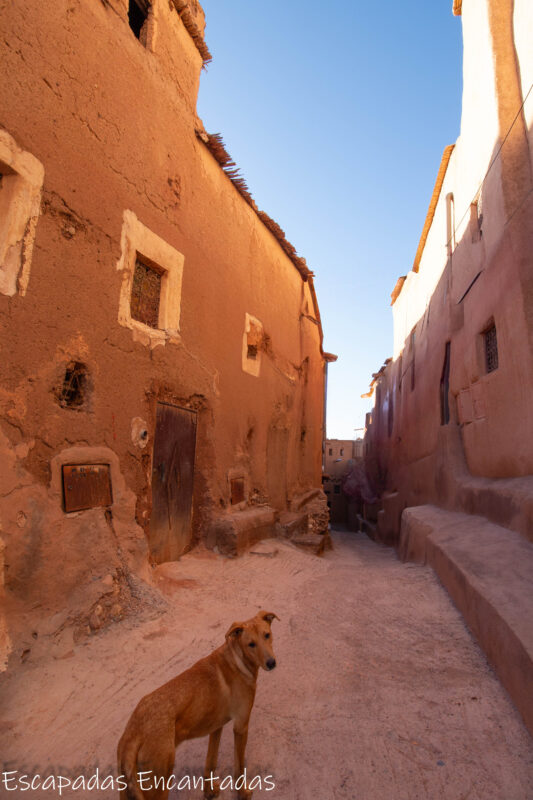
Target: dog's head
254,640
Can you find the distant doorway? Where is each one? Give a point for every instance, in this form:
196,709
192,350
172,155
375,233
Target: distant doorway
172,482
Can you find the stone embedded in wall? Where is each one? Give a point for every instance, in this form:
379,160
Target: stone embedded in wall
313,503
139,432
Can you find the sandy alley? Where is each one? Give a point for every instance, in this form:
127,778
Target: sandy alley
380,693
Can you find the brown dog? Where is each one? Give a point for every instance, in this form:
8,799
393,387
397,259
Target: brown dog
198,702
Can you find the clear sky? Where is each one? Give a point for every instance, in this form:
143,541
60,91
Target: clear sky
337,114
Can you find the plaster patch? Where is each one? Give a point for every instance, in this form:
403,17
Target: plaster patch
20,200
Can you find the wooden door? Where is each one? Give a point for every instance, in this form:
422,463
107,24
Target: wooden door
172,482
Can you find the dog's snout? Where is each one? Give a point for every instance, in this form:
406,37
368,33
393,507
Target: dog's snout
271,663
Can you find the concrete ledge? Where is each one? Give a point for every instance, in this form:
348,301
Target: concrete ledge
234,533
488,571
505,501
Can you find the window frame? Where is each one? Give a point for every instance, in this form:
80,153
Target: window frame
24,177
139,242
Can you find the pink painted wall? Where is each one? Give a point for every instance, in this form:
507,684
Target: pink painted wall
481,275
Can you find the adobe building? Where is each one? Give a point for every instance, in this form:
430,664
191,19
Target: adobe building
339,458
337,454
162,363
450,440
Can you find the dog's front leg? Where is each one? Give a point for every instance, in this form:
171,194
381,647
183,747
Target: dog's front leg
241,737
211,787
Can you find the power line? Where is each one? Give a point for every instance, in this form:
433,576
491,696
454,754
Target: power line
496,156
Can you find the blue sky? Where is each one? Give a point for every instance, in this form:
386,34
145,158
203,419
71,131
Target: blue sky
337,114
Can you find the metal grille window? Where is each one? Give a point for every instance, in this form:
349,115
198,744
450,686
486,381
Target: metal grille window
72,391
145,294
491,348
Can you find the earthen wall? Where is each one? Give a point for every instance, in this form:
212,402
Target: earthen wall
111,122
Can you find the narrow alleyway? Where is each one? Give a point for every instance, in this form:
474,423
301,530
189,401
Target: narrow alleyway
380,692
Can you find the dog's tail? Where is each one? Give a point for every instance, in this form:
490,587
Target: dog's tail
127,768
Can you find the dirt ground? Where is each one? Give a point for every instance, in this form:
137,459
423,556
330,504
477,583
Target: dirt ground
380,693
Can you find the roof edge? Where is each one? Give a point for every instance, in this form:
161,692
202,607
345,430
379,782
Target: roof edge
215,145
329,357
184,13
445,160
398,288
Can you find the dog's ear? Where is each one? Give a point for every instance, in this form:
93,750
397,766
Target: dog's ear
235,630
268,616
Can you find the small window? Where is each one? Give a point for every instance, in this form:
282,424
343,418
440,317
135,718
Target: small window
137,16
331,451
476,219
145,294
342,451
337,489
491,348
72,393
253,344
150,292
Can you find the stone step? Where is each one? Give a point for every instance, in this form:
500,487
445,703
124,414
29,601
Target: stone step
505,501
233,534
488,571
293,523
315,543
294,526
